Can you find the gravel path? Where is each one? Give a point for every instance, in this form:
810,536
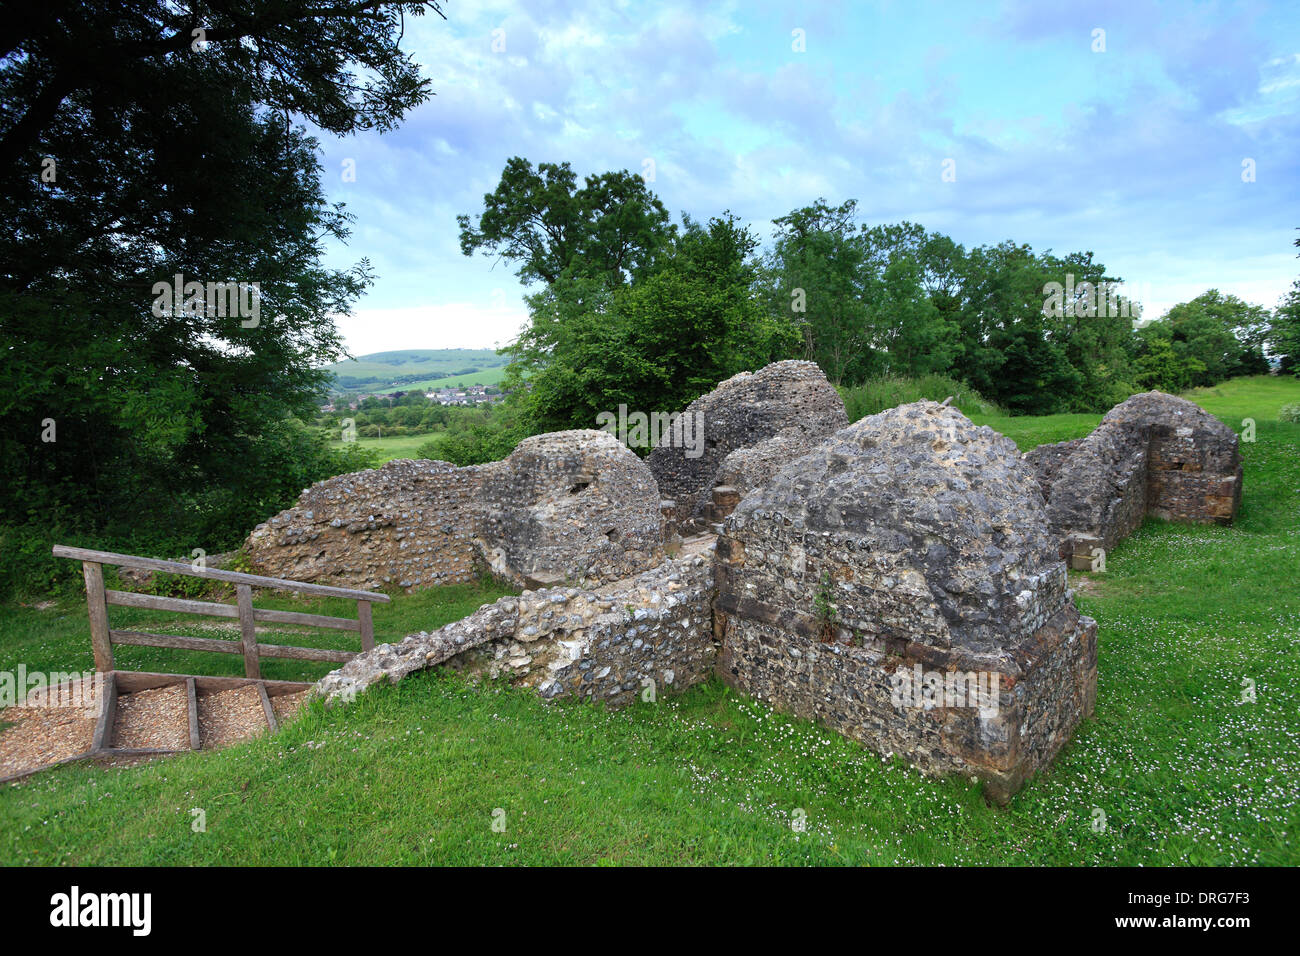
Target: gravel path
154,718
230,716
286,706
42,735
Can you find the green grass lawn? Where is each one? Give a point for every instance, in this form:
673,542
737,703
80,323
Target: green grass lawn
402,446
1180,769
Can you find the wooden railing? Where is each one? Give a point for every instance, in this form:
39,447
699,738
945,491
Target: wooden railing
103,637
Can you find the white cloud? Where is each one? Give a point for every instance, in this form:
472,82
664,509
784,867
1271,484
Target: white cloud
445,325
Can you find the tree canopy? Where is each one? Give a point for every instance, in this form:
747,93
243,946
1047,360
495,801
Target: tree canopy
136,158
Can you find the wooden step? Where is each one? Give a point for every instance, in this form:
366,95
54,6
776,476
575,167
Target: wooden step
156,719
145,715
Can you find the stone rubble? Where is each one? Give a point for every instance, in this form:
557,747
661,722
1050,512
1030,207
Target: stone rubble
649,633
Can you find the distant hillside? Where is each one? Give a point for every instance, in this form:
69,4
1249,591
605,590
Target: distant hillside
417,368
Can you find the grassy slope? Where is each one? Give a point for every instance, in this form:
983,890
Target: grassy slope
435,364
1182,771
487,376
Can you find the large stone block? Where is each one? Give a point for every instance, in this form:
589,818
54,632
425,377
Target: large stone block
901,585
775,415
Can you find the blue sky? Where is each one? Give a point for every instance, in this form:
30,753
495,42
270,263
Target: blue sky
1135,153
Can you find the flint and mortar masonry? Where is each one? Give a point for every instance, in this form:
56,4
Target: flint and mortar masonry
1153,454
612,644
573,506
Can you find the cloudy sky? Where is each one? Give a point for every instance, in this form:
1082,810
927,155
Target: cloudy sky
1137,143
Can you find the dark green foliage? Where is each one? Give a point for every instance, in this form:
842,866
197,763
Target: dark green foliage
611,228
125,422
476,436
657,318
1202,342
1283,338
653,345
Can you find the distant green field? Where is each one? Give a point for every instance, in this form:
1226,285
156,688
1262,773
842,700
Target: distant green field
401,446
489,376
388,371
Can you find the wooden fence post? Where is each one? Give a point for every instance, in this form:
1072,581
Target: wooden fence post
244,597
367,626
98,610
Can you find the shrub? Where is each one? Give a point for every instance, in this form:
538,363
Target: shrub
474,445
1289,412
262,477
878,394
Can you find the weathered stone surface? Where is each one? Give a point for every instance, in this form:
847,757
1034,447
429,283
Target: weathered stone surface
788,399
649,633
1152,454
565,506
925,542
570,506
754,466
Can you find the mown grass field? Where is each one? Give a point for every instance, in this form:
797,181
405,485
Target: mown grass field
400,446
1179,763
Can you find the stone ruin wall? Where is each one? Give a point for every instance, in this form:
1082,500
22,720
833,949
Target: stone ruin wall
789,399
611,644
940,543
565,506
409,524
927,538
1153,454
570,506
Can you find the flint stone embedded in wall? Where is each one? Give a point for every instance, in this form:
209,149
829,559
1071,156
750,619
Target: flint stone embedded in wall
1152,454
925,541
565,506
791,399
751,467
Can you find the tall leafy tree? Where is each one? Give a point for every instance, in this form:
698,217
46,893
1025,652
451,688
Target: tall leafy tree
336,62
817,272
1284,331
611,227
1222,334
134,153
656,344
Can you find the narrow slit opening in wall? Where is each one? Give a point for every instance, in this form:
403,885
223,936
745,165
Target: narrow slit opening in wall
578,487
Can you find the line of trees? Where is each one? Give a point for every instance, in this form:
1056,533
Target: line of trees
631,308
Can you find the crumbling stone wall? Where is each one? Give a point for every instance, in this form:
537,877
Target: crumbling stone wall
788,399
909,542
746,469
565,506
410,524
900,580
1152,454
652,632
